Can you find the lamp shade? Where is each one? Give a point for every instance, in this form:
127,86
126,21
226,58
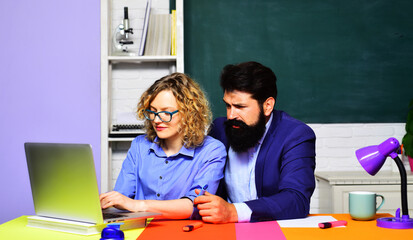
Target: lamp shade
372,158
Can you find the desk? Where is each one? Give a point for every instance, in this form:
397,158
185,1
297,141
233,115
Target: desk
16,229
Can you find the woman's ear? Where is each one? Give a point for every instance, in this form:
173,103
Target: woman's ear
268,106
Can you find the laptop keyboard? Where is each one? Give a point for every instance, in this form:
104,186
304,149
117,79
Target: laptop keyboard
111,215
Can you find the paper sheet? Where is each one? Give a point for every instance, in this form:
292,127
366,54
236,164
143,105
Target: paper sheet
308,222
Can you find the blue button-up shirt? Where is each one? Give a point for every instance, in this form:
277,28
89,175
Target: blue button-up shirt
148,173
240,177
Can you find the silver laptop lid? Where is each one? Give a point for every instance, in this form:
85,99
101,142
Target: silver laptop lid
63,181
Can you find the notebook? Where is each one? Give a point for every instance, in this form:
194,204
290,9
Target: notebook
64,184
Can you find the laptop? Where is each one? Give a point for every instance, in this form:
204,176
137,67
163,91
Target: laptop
64,185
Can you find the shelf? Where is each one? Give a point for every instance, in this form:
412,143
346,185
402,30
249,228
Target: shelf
115,136
125,76
140,59
120,139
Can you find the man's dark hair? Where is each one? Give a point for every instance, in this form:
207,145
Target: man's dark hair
250,77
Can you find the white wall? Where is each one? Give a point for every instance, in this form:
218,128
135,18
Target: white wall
49,87
336,145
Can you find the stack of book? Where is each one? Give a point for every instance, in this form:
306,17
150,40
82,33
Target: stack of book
159,34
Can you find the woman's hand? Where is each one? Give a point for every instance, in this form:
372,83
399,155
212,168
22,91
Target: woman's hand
120,201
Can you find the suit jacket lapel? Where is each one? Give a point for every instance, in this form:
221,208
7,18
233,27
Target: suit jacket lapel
262,155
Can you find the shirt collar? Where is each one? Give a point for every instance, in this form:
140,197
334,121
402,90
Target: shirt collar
157,149
267,126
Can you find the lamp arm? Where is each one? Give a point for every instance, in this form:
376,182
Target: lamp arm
403,177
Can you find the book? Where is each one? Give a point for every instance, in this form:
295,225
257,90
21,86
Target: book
173,33
76,227
164,40
127,130
149,45
64,225
158,42
145,27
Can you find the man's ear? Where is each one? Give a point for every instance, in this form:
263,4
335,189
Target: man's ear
268,106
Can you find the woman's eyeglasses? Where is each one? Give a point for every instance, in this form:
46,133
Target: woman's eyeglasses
164,116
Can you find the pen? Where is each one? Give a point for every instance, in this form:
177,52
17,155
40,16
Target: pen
332,224
192,226
203,190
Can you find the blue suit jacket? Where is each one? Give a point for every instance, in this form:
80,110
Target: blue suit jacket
284,172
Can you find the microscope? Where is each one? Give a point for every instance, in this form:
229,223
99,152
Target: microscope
121,36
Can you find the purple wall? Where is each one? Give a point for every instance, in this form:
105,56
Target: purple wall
49,86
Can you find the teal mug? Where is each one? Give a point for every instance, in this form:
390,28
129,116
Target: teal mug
363,205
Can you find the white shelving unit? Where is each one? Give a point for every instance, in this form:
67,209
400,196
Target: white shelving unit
125,78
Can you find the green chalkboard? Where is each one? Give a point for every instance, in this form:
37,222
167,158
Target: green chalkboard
336,61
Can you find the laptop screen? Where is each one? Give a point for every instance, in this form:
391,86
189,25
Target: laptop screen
63,181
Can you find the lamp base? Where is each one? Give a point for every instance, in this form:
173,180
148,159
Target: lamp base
395,222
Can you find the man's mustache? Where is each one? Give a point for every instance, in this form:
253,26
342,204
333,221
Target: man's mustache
235,123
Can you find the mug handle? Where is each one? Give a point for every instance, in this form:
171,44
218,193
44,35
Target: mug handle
382,201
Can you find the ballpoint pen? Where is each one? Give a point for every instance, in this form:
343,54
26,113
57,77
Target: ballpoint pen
203,190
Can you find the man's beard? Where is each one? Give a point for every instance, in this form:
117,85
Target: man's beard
244,136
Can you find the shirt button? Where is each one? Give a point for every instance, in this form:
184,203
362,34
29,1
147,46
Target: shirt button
166,161
158,194
160,177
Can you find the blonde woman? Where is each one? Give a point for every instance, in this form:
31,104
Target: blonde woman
164,167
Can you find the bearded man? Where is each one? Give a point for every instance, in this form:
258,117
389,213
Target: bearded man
269,172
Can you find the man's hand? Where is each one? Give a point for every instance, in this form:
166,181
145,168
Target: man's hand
120,201
214,209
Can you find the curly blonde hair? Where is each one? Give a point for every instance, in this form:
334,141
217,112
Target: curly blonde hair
192,106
